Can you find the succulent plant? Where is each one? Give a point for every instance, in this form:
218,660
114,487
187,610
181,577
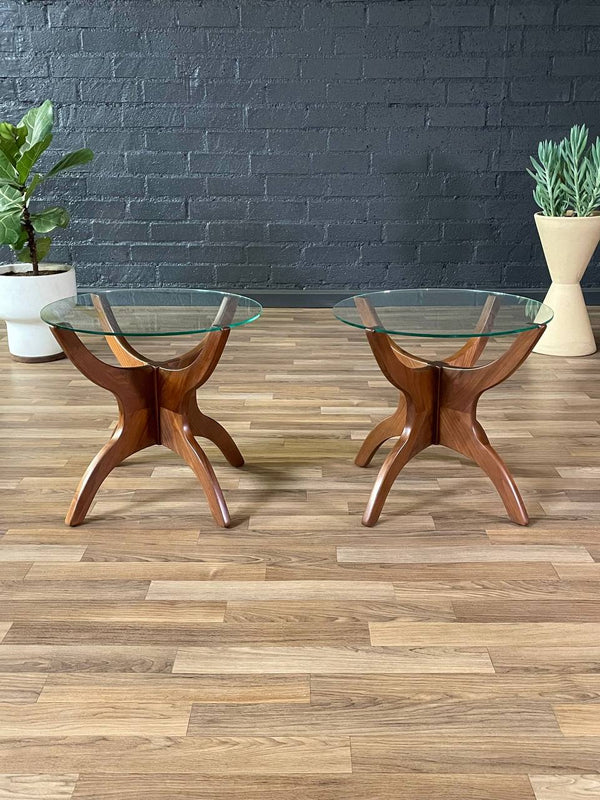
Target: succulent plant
567,175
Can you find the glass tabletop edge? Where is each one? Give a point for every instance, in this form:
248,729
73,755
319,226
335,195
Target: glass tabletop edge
256,307
153,335
419,335
345,304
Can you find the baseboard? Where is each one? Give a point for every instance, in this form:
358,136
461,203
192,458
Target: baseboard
325,298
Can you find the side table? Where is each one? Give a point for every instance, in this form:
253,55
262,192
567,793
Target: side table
157,400
438,399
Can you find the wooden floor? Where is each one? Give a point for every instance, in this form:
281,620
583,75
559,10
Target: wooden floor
445,654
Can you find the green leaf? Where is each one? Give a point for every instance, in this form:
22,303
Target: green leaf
20,241
29,157
11,139
10,198
51,218
7,168
71,160
38,122
10,226
37,179
42,246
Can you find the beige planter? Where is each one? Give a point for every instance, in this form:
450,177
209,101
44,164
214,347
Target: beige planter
569,244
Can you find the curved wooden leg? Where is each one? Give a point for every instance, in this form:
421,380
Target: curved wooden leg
482,452
386,429
125,441
209,428
126,355
417,382
136,429
177,435
414,438
469,439
181,419
469,353
459,429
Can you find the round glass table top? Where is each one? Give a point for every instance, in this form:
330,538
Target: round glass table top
443,313
151,312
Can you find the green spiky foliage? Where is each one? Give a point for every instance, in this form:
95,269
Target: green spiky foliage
21,147
549,192
567,175
575,168
592,181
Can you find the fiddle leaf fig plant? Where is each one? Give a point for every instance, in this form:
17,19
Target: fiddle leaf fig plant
567,175
21,147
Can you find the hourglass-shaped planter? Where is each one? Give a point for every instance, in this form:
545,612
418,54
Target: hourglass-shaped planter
569,244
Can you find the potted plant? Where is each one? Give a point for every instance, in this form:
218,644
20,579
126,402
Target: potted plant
567,176
27,285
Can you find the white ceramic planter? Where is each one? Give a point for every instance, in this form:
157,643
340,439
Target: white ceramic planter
569,244
22,297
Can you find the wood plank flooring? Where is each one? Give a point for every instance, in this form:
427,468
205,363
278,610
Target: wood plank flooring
443,655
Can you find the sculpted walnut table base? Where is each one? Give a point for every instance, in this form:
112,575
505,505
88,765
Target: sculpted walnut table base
157,405
438,402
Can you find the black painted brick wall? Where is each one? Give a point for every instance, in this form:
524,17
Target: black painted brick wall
303,143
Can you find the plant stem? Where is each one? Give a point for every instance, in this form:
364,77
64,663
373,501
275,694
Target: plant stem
31,241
